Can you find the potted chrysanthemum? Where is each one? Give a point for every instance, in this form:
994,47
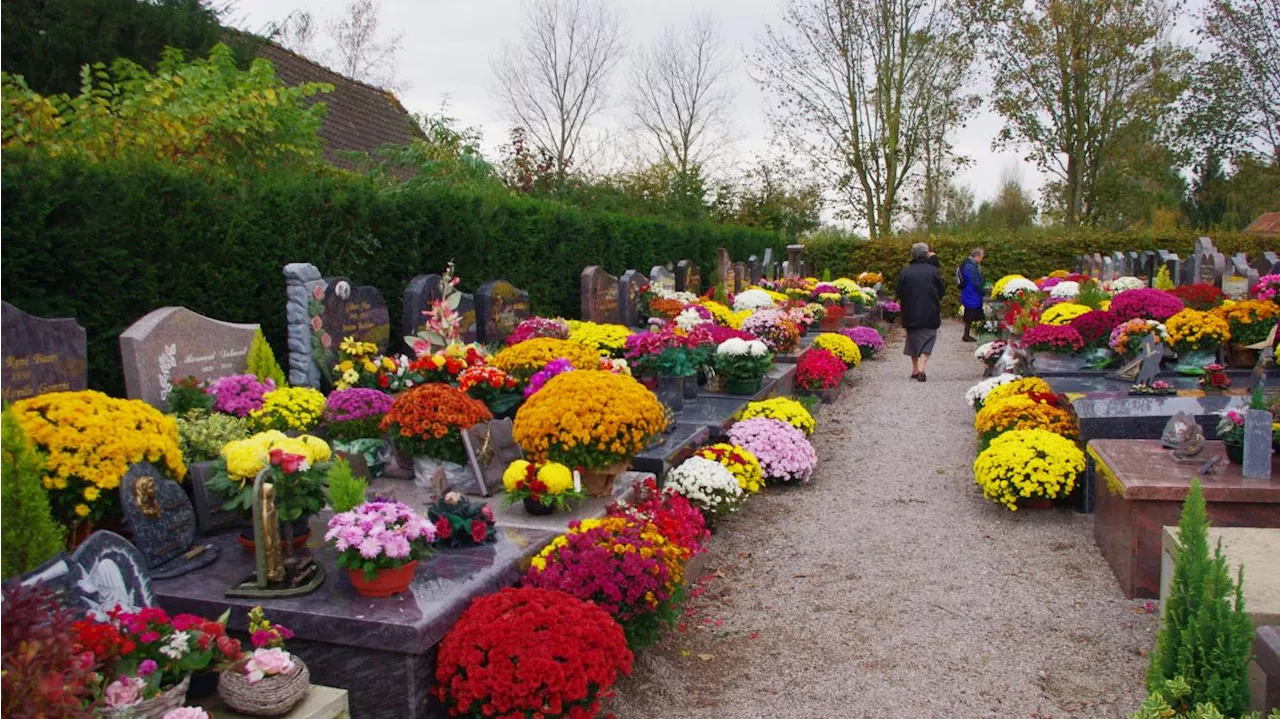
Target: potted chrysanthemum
742,364
542,488
379,543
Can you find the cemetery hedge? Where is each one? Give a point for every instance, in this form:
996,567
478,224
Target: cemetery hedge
1034,253
108,242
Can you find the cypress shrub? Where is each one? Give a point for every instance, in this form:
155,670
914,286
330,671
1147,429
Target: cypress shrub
31,537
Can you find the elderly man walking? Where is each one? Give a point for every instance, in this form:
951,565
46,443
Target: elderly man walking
920,294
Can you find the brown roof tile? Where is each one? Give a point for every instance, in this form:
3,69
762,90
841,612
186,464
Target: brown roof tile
1268,224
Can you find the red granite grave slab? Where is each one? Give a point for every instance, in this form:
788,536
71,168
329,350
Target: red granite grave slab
1141,489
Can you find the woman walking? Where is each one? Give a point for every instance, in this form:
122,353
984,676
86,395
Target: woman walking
970,280
920,294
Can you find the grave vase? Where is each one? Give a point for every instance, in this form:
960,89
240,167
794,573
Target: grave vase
538,509
1235,452
671,391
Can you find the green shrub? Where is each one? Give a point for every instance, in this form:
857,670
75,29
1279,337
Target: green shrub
109,242
1157,705
1205,637
201,436
262,361
346,491
31,537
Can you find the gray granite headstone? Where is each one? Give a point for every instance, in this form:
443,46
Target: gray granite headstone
162,521
59,575
172,343
1095,262
770,268
662,279
795,259
500,308
1148,265
688,277
724,269
1272,258
1240,264
112,573
40,355
1079,265
599,296
1257,444
1108,269
1121,266
1169,260
1133,259
740,278
630,286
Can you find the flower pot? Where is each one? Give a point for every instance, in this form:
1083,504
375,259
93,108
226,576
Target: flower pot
690,388
599,482
1034,503
671,391
1235,452
742,386
301,533
1238,356
455,475
650,382
155,707
385,583
271,696
538,509
203,684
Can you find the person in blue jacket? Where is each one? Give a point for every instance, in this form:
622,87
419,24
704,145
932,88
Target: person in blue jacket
970,280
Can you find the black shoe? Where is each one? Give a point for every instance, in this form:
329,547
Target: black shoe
967,338
915,375
920,377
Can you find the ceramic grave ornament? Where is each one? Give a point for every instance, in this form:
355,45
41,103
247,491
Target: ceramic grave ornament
172,343
275,573
1183,435
163,523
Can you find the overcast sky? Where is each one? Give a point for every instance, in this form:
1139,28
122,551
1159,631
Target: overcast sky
448,46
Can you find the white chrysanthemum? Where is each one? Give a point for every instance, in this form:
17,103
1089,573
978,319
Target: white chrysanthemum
1065,290
1018,284
685,297
978,392
688,319
733,346
707,484
989,350
752,300
1128,282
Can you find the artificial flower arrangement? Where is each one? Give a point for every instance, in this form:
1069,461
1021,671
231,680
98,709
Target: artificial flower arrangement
269,681
499,391
356,413
1215,378
1095,327
589,419
784,453
578,648
526,359
534,327
1028,464
976,395
1126,283
625,567
606,339
89,440
868,339
290,408
1200,296
298,466
549,485
239,394
1016,386
1156,388
743,361
667,511
1197,331
1063,290
1267,288
782,408
773,328
990,352
1126,339
1052,338
1145,303
459,522
380,537
1250,320
753,300
708,485
1063,313
427,421
739,461
201,436
818,370
841,346
1024,412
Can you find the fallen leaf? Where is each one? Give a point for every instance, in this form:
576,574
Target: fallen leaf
706,657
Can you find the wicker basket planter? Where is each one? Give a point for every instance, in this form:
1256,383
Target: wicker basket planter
155,707
272,696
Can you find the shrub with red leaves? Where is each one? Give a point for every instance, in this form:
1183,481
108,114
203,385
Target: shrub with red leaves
45,675
1095,327
1199,296
530,652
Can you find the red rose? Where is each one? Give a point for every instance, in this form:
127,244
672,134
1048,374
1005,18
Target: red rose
276,455
443,528
479,530
383,381
229,647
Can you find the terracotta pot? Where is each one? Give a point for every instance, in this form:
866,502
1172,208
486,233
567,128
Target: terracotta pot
1035,503
599,483
538,509
1235,452
385,583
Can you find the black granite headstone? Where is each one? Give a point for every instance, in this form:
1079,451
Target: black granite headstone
356,311
112,574
500,308
629,287
599,296
162,521
421,291
753,269
41,355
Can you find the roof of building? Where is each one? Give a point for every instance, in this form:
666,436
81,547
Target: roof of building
1268,223
358,115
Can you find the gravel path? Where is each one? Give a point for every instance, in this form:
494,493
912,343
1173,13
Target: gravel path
889,588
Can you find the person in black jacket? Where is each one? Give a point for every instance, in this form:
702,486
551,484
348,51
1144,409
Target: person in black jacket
920,294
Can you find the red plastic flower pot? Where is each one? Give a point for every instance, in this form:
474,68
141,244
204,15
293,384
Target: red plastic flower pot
385,583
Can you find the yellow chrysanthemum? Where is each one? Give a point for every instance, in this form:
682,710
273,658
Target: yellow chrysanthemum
82,510
1026,463
1062,313
782,408
529,357
1025,385
1193,330
608,340
844,348
1022,412
296,408
997,289
741,462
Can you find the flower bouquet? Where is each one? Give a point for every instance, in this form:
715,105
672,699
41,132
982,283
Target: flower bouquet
591,420
869,340
708,485
297,465
1023,412
779,334
841,346
784,409
743,364
379,543
668,512
1215,378
820,372
1145,303
299,409
578,648
1268,288
538,327
1028,464
526,359
542,488
989,353
1157,388
461,523
270,680
784,453
1200,296
498,390
739,461
1126,339
625,567
426,423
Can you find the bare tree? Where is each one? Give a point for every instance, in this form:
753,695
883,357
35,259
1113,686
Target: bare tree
855,84
1247,35
297,32
680,98
361,53
556,81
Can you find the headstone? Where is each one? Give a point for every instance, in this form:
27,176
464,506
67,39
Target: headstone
1271,257
724,269
682,275
321,312
662,279
356,311
172,343
162,522
1261,264
630,285
1121,266
1257,444
1240,264
1079,265
111,573
795,254
740,278
599,296
1108,269
41,355
1170,261
1212,267
1148,266
753,269
304,292
499,308
1133,259
210,516
418,296
770,268
693,279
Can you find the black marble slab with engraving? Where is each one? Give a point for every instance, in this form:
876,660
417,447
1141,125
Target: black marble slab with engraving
162,521
380,650
715,412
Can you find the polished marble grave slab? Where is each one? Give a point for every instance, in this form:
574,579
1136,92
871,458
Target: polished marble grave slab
672,449
1141,488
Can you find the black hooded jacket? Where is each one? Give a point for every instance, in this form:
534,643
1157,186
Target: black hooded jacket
920,294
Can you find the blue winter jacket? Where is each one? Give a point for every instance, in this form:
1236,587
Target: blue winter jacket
971,293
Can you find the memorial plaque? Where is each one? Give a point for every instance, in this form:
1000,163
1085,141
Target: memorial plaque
630,285
172,343
41,355
599,296
499,308
111,573
662,279
1257,444
162,521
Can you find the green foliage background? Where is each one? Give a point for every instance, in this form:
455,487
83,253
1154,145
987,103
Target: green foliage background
1032,252
106,243
30,535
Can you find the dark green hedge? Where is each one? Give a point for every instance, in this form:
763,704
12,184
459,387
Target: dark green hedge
108,243
1033,253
